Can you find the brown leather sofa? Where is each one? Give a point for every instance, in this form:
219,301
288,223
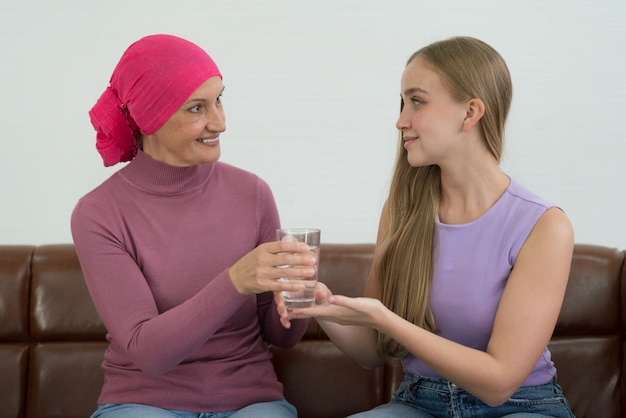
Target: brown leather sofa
52,341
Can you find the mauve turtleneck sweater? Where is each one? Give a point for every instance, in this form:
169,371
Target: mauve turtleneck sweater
155,243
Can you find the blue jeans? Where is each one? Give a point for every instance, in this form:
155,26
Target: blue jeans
274,409
428,397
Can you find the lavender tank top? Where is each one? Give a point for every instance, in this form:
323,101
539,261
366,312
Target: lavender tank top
472,264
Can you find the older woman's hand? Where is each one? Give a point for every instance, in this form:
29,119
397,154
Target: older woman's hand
259,270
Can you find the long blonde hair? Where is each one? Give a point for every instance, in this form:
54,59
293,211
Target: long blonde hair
469,68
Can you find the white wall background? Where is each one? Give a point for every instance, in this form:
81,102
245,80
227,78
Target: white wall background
312,95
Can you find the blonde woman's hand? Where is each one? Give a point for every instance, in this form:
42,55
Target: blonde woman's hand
322,293
345,310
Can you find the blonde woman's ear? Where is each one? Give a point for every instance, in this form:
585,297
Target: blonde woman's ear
475,109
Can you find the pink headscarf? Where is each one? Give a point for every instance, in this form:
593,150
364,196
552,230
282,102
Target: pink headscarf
151,81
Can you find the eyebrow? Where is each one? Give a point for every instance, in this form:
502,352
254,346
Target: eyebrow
414,90
200,100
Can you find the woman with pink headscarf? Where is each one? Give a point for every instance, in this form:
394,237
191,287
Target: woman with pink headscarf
178,249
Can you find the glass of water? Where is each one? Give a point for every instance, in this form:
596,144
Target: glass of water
301,298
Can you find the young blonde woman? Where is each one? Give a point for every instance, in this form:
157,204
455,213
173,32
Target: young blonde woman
470,267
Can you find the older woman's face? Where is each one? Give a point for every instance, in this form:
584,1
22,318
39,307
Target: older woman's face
192,135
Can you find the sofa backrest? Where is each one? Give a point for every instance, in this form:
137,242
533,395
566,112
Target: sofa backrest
588,343
52,340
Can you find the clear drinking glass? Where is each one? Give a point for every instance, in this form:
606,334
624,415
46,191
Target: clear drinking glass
311,236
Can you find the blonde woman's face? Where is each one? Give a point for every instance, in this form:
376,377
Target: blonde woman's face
192,135
431,120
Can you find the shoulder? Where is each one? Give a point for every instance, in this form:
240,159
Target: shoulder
525,196
102,193
551,217
554,226
526,220
525,207
235,174
240,182
552,232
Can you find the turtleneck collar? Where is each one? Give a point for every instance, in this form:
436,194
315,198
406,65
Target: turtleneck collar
161,178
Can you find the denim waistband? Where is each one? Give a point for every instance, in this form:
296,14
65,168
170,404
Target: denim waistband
438,397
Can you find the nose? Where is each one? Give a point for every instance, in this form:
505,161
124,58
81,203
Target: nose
216,120
403,121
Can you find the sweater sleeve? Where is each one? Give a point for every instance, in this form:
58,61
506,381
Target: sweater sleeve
272,330
125,303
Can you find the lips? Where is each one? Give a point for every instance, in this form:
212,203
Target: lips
208,140
409,140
